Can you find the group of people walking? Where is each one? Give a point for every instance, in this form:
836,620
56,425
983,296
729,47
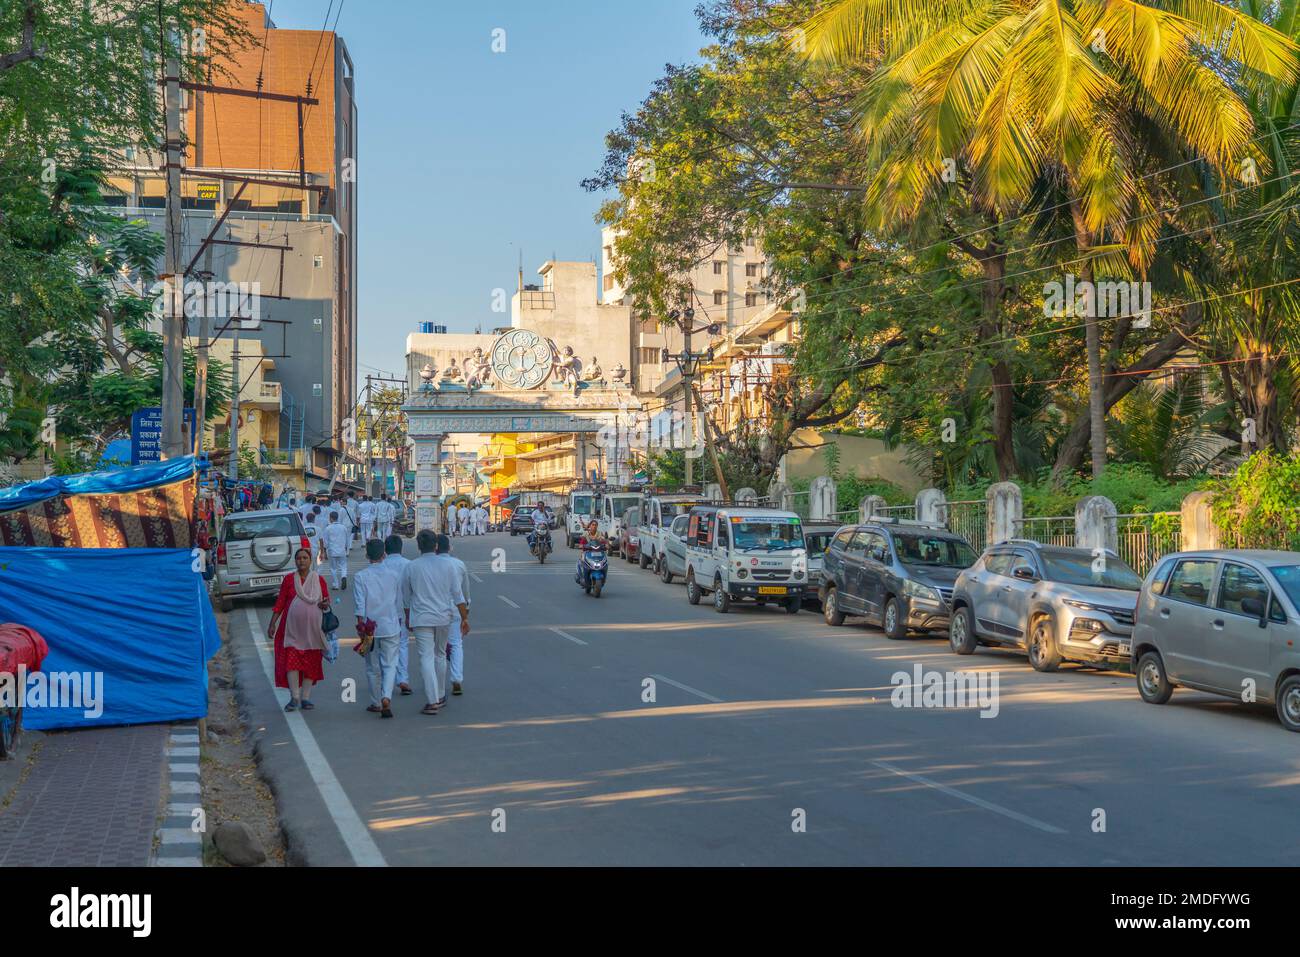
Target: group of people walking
467,520
395,599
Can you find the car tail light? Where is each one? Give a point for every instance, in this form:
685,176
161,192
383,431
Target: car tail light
221,554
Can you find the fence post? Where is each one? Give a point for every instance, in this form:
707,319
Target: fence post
1005,509
746,496
1095,525
931,506
780,496
713,492
869,505
1199,529
822,499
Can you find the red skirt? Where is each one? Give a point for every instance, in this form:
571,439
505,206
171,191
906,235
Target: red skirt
307,663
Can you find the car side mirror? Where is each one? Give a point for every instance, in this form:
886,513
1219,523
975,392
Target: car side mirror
1024,574
1256,607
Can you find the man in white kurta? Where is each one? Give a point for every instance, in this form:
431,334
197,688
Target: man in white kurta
462,519
354,517
456,657
384,514
334,541
366,510
377,595
395,558
431,591
481,514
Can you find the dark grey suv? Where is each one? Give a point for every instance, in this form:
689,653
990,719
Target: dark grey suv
897,574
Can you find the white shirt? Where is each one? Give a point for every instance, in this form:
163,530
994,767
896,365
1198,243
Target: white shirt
386,511
463,572
377,594
431,590
335,538
367,512
462,513
541,519
351,506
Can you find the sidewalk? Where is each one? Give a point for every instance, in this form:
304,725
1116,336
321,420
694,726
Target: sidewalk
91,798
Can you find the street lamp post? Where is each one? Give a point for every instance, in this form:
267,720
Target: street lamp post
688,363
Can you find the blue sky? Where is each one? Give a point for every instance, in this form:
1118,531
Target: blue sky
467,156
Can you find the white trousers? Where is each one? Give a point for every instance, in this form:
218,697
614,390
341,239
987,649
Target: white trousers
381,668
464,526
457,663
431,646
338,568
404,658
385,529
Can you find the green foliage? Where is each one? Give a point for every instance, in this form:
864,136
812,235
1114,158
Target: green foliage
250,465
1259,505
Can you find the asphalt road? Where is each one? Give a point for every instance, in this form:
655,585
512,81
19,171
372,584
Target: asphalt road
760,721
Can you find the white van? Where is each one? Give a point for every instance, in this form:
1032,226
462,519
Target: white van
656,518
581,509
745,554
613,505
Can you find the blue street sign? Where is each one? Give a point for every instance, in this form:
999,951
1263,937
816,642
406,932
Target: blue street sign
146,433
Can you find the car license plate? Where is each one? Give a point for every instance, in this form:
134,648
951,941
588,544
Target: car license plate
265,580
771,590
1125,649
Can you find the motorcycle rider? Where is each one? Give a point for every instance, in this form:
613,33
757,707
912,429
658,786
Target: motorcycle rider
541,522
591,538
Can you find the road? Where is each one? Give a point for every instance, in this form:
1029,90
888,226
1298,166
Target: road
761,722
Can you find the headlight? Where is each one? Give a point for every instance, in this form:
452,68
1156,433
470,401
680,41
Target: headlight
1087,624
917,590
1081,605
797,576
742,573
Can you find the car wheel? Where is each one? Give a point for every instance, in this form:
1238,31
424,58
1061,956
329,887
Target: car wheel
693,593
643,560
1288,703
894,622
227,605
721,600
793,605
665,575
961,633
1154,685
831,608
1043,653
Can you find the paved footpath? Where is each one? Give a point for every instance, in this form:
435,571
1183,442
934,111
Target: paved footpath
91,799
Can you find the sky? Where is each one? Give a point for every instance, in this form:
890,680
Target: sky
466,156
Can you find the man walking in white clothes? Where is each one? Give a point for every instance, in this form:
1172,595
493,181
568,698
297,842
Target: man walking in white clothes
456,663
462,519
385,511
367,512
334,540
433,598
354,516
398,561
377,596
482,520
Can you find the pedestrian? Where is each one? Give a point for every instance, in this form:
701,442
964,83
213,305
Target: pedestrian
398,561
367,512
456,656
384,513
462,518
377,596
265,496
432,596
296,631
351,506
334,548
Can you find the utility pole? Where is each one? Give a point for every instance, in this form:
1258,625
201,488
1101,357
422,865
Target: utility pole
234,400
201,360
173,372
687,368
370,438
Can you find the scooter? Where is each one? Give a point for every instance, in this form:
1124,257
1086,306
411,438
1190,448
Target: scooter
592,566
539,543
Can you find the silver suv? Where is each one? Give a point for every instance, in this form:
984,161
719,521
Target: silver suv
1059,604
1226,622
255,551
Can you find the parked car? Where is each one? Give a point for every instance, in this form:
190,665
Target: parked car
1223,621
613,509
742,553
817,538
655,518
521,521
629,541
672,560
255,551
896,573
582,505
1058,604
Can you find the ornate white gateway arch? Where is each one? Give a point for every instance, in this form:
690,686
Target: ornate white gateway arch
524,383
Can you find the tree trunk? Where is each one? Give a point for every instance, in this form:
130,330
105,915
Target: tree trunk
1092,342
992,258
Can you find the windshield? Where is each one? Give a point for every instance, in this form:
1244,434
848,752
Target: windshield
581,504
934,550
621,505
774,535
1080,568
1288,576
818,542
246,529
673,509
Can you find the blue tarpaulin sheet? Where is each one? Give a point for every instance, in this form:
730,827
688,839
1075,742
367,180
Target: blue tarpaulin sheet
140,617
109,482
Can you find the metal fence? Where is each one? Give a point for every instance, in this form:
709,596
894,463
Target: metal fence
1047,530
896,511
1143,537
1284,539
970,520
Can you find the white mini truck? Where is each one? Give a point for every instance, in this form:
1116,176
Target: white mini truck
737,553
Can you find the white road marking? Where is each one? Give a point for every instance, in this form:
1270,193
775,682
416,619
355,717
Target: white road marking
476,578
971,799
362,847
565,634
507,601
688,689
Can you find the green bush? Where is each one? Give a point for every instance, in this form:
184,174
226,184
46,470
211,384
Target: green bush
1259,504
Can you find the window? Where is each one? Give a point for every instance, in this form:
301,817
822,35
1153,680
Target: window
1192,581
842,539
722,537
1238,584
751,269
771,534
719,297
1074,566
717,267
859,544
1020,561
999,563
915,549
751,299
650,356
877,547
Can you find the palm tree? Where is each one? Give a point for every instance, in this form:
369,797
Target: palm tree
1080,94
